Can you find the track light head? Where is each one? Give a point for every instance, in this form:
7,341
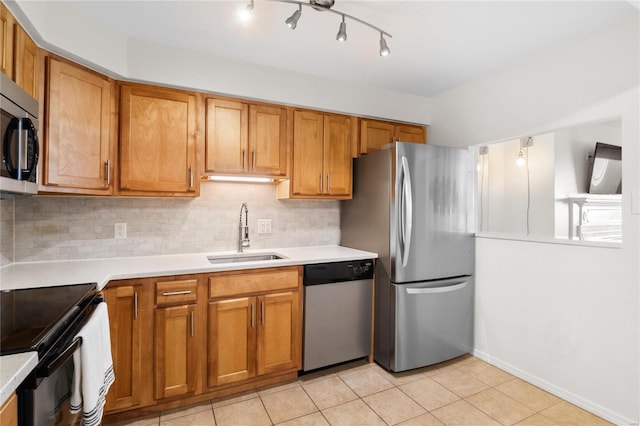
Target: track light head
384,49
292,21
342,32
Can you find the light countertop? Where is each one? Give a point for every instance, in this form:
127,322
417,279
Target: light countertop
14,368
53,273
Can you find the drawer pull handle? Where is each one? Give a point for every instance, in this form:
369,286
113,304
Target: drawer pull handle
192,323
262,311
176,293
253,314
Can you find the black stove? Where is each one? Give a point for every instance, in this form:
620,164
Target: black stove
34,319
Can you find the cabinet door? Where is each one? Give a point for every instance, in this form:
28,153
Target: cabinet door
306,174
126,344
157,142
175,351
337,155
375,134
6,41
25,65
409,133
79,146
9,411
232,340
268,140
226,136
279,342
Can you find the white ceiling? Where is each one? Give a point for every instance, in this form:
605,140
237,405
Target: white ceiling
436,45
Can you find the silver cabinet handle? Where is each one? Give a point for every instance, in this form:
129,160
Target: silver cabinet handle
135,305
244,164
431,290
321,183
175,293
253,155
262,311
192,322
328,182
107,165
190,176
253,314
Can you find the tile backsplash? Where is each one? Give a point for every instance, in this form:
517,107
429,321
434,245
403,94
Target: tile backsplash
6,230
59,228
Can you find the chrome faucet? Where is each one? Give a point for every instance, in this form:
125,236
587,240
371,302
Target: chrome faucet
243,231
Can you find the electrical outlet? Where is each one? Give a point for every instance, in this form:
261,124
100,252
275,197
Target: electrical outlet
264,226
120,231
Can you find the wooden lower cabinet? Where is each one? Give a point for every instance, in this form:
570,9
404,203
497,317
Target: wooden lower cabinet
9,411
124,303
253,336
232,341
179,340
175,351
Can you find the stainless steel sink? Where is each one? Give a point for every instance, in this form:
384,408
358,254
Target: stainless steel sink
245,257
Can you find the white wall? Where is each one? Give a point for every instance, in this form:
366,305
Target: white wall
64,28
564,317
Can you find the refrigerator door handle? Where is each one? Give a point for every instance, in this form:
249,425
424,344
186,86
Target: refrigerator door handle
407,211
431,290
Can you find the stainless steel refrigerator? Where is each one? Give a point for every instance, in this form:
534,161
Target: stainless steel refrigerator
413,205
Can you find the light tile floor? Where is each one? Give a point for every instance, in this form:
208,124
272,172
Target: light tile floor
464,391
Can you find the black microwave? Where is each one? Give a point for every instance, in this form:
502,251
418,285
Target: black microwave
19,138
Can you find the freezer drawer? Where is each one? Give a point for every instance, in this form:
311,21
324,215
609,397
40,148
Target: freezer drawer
433,322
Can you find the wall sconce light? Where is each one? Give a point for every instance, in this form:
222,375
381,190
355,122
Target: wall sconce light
482,152
522,157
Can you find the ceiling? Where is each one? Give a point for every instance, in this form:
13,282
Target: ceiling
436,45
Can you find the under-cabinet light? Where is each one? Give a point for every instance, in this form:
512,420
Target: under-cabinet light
240,179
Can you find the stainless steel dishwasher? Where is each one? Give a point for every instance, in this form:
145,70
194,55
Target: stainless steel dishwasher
337,312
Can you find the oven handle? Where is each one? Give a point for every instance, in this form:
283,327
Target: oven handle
50,367
46,370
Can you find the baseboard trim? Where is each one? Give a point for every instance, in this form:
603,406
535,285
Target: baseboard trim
585,404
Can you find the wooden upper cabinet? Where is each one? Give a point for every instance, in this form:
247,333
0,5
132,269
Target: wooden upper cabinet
308,153
244,138
226,136
374,134
337,155
6,41
321,166
79,144
157,142
268,140
25,62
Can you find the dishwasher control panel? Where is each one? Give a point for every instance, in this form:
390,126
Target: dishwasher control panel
325,273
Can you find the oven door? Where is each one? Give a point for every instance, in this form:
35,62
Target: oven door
44,397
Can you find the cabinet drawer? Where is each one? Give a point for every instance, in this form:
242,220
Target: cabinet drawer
170,292
225,285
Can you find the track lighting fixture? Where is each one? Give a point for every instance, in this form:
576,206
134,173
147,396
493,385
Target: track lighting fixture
342,32
292,21
326,6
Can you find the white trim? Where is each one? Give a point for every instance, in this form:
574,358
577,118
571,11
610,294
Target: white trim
546,240
579,401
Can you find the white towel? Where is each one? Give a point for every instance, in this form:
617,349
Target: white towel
93,368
